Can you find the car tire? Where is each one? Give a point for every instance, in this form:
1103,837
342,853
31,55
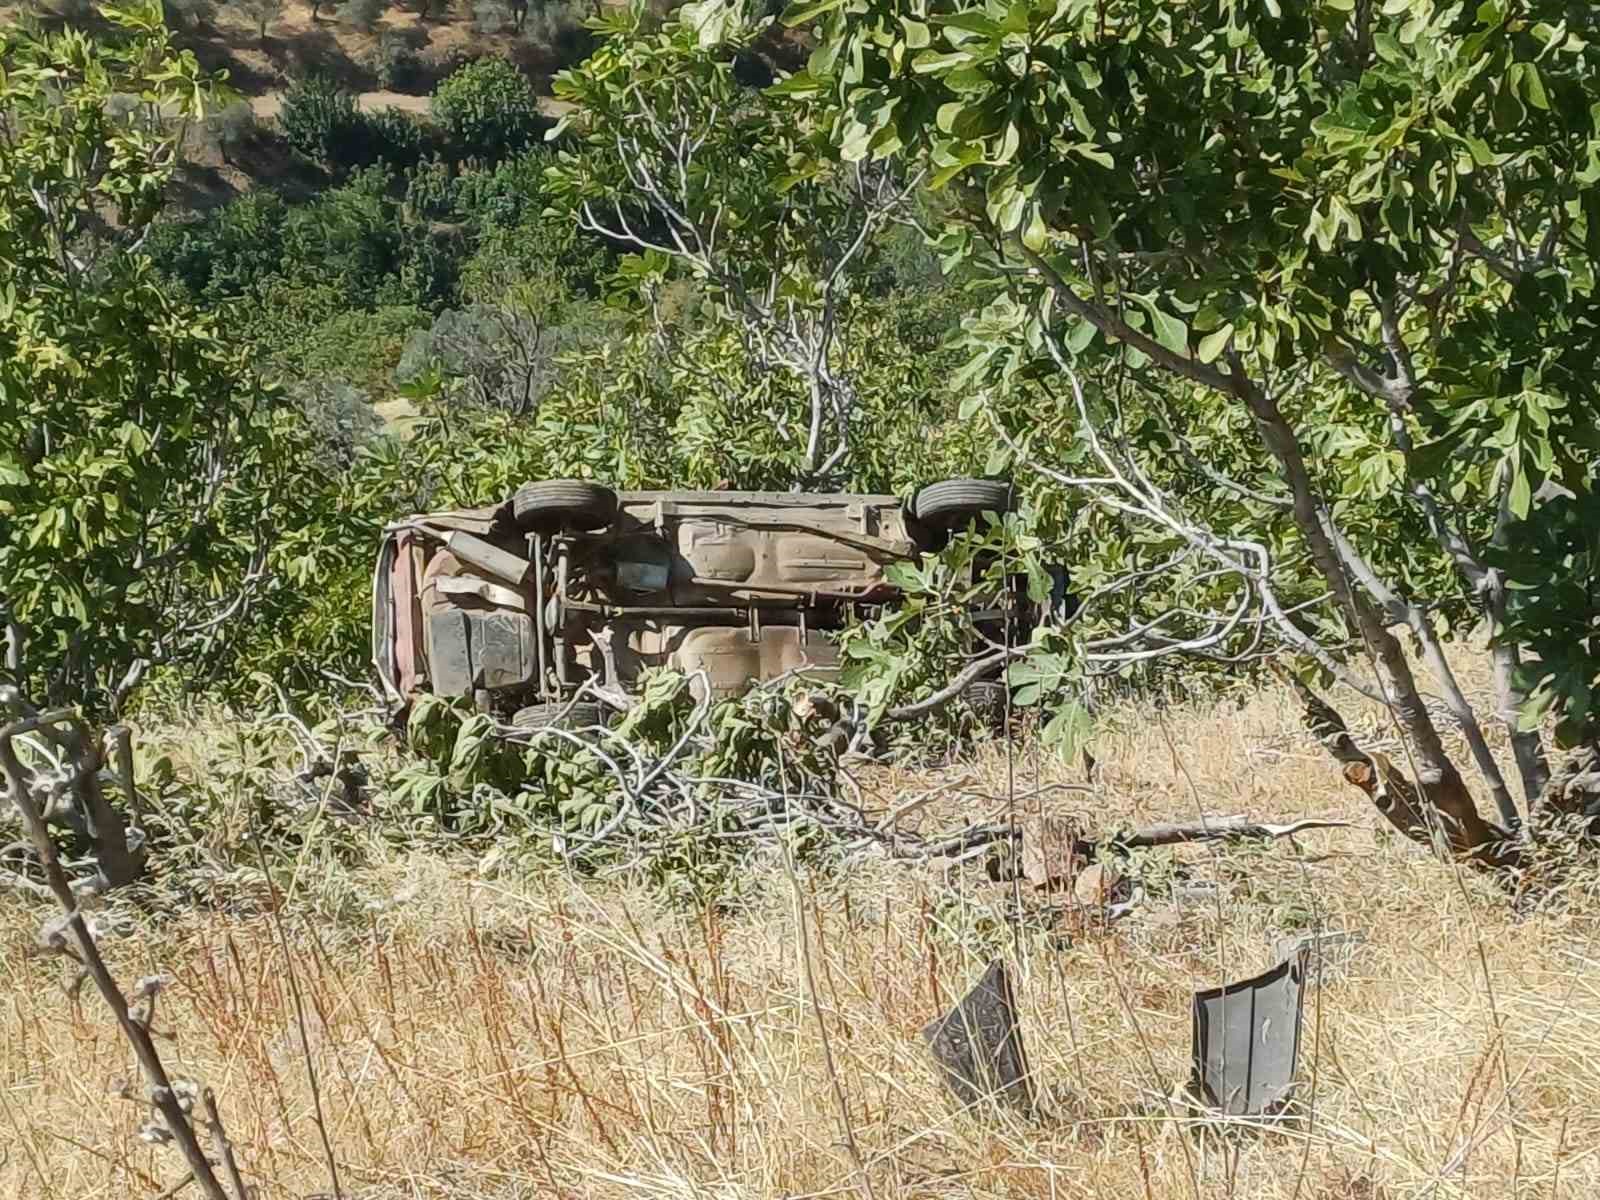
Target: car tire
560,715
951,503
554,505
987,699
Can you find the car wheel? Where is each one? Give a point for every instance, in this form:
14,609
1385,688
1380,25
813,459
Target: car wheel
560,715
987,699
563,504
951,503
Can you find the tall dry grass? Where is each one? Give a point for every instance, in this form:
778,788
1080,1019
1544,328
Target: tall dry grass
482,1037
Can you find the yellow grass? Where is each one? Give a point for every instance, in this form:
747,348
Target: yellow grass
479,1037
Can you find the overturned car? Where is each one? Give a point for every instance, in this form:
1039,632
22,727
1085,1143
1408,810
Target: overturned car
570,586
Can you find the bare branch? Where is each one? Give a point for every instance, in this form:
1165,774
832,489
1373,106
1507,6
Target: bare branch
163,1094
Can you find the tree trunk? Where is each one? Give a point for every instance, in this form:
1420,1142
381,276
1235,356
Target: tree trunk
1437,778
1396,796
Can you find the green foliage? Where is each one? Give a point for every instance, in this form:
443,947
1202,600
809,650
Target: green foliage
226,252
487,110
145,453
469,781
320,120
535,246
771,215
349,235
355,237
914,649
1552,562
339,417
506,355
395,137
361,349
1382,216
396,66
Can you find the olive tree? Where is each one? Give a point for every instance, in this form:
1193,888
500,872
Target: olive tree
1277,217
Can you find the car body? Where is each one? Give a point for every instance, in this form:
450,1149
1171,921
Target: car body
567,583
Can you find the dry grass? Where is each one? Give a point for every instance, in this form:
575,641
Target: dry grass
544,1037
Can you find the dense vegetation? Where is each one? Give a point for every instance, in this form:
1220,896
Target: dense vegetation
1280,315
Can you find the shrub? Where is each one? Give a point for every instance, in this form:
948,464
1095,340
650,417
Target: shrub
490,17
560,26
431,189
396,65
234,128
429,272
225,253
340,417
513,190
363,14
359,348
487,109
507,353
320,120
392,136
350,236
537,245
189,14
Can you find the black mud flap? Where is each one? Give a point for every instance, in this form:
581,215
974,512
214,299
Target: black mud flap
978,1045
1247,1041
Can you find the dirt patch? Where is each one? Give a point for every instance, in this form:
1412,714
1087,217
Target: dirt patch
270,105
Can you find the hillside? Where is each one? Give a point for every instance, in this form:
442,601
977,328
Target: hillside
389,56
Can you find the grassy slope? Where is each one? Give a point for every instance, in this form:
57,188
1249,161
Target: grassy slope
482,1037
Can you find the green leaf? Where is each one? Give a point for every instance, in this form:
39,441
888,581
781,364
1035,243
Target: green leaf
1527,80
1520,496
1009,140
999,460
972,22
1213,343
1034,235
1079,335
1068,731
798,85
929,61
968,155
1168,330
799,14
1095,155
712,20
